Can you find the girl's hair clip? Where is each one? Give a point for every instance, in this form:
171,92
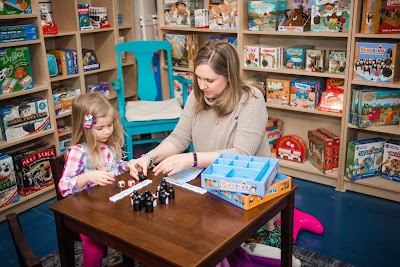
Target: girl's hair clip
89,121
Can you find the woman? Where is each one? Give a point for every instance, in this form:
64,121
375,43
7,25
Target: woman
222,115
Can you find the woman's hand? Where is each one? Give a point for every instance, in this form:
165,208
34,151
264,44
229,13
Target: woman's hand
139,164
174,164
101,178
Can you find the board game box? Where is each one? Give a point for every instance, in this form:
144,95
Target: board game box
364,158
8,183
240,173
15,70
278,91
391,160
281,185
14,7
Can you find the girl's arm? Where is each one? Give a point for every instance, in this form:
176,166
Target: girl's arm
74,166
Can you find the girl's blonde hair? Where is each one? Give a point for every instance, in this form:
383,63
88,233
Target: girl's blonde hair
223,60
97,105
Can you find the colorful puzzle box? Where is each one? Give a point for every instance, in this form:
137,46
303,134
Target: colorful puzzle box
33,168
377,62
8,183
14,7
240,173
391,160
330,15
23,118
265,15
281,185
15,70
364,158
278,91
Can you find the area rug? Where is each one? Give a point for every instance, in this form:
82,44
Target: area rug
307,258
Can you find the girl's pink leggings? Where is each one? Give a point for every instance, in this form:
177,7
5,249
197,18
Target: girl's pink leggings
93,252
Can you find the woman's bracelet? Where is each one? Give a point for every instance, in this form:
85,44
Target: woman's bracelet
194,159
152,165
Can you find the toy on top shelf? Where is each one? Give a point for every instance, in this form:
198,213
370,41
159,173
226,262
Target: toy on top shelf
330,15
380,16
240,173
49,27
84,17
13,7
298,18
98,17
179,13
266,15
223,14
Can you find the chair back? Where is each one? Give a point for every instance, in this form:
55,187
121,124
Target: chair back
25,254
143,51
57,168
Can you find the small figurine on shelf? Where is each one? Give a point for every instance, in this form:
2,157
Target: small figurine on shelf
47,23
89,60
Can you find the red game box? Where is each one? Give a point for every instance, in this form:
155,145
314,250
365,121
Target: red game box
336,146
320,151
291,147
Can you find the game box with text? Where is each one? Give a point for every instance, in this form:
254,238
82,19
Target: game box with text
240,173
280,185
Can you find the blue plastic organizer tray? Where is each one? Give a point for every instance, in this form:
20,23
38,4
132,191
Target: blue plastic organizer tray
240,173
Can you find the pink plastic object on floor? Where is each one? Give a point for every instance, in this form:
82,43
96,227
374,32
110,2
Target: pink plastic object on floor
304,221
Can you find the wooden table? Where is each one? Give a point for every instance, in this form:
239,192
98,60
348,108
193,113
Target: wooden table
192,230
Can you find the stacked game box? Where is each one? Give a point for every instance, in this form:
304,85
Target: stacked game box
376,62
22,117
274,132
8,183
33,169
364,158
320,151
333,96
380,16
17,33
265,15
223,14
271,57
374,107
335,147
63,97
391,160
278,91
296,56
15,69
330,16
306,92
179,13
245,178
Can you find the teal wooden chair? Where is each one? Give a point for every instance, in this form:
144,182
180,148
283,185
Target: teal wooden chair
147,115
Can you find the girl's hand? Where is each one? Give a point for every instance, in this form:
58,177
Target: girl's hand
101,178
139,164
174,164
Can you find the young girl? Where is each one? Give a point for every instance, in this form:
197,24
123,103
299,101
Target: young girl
94,157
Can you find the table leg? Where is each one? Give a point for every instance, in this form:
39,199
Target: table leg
65,242
287,232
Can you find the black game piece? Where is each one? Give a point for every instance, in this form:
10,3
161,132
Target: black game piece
149,205
137,204
163,197
142,200
171,192
164,183
141,176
